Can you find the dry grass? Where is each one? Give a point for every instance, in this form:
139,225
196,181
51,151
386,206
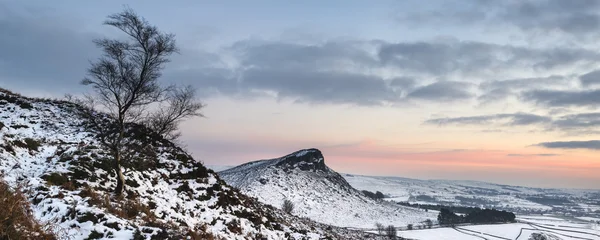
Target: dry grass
16,218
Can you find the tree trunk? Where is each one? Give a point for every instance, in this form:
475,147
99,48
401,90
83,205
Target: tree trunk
117,151
120,177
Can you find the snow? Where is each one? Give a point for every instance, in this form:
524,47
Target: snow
66,146
519,231
591,219
437,234
489,195
321,195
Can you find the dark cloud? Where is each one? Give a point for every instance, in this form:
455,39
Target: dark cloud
533,155
563,98
590,145
443,91
329,55
515,119
576,18
320,87
523,83
499,90
472,58
581,122
591,78
573,124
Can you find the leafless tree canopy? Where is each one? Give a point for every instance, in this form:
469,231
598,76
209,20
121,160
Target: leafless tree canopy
181,105
125,80
126,76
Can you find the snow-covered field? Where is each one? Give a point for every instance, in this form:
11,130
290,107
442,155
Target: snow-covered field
514,231
522,200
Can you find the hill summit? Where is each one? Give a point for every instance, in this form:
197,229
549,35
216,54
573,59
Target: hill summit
317,191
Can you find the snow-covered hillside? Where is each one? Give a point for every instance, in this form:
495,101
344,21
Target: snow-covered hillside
50,149
317,191
521,200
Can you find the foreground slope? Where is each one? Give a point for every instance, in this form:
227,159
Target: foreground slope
317,191
50,149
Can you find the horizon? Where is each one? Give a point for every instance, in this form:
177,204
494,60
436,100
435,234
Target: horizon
499,92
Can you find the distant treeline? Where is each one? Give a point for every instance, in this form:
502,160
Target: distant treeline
447,217
374,195
457,209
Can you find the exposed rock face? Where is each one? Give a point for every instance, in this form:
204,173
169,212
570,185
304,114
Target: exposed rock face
305,160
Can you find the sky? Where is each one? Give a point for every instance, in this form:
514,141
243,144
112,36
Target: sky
499,91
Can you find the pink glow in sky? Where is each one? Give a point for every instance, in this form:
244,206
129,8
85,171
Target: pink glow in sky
500,91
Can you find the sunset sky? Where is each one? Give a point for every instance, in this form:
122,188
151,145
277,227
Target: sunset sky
499,91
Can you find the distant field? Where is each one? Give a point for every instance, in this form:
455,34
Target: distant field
554,227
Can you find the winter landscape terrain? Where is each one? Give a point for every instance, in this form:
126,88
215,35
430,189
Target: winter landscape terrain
49,149
517,199
319,193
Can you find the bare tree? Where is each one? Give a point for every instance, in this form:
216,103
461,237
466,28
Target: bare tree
125,80
390,232
380,228
287,206
181,104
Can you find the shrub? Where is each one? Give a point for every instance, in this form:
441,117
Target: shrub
16,218
537,236
287,206
409,227
32,144
56,179
428,223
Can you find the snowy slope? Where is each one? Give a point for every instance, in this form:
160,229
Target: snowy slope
517,199
318,192
50,149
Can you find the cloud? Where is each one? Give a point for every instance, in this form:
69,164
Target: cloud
514,119
533,155
497,90
590,145
591,78
578,19
403,82
582,123
473,58
332,55
320,87
54,54
443,91
563,98
574,17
